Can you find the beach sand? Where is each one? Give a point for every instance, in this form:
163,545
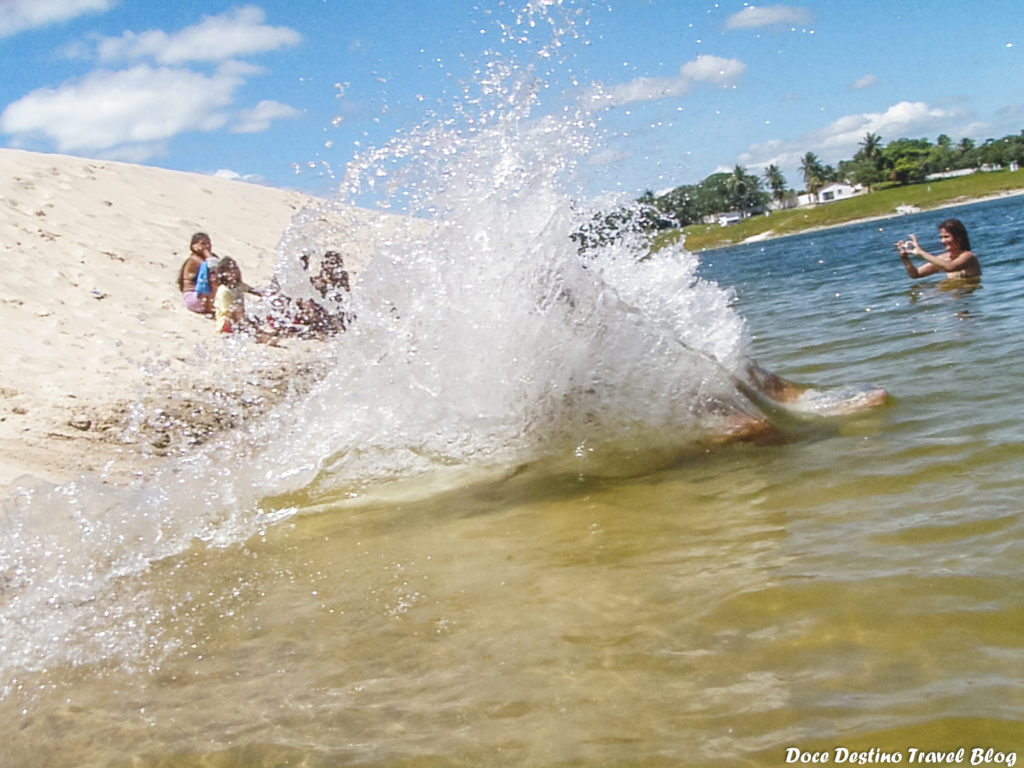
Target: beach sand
103,371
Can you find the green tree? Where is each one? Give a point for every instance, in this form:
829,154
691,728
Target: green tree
870,147
1016,150
998,151
967,155
814,173
650,214
776,182
907,160
680,205
743,190
868,165
712,195
942,156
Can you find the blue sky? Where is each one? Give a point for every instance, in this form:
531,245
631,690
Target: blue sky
285,91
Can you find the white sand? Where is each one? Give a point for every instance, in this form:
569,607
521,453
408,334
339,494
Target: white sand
92,320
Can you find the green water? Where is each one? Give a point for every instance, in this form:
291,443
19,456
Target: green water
859,586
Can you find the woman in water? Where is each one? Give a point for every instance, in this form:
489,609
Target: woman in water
957,262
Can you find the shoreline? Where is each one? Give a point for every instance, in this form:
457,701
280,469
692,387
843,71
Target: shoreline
104,372
770,235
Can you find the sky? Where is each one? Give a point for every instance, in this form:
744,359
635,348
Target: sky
286,92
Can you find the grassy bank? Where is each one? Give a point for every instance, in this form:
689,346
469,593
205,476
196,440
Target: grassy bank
879,204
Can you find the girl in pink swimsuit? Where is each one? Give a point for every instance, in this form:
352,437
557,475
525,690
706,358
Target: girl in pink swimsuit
198,297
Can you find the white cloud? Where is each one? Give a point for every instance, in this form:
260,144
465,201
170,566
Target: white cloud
769,15
713,69
867,81
227,173
979,129
907,118
708,69
19,15
261,116
129,114
125,114
840,139
237,32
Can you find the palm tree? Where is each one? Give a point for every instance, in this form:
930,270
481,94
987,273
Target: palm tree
742,188
868,161
814,173
871,147
737,182
776,182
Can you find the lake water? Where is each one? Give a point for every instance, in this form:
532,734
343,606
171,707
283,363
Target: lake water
858,586
509,527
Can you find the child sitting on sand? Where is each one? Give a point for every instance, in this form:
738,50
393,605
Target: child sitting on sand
197,276
229,301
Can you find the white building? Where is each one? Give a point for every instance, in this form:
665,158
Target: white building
839,191
950,174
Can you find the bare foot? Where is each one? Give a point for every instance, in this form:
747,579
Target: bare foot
750,429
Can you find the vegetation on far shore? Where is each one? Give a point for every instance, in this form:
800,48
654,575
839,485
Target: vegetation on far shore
881,203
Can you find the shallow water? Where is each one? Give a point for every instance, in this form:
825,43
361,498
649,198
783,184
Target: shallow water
858,586
504,530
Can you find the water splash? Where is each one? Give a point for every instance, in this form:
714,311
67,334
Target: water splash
483,333
484,340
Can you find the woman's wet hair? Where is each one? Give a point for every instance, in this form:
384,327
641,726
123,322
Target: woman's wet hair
956,228
198,237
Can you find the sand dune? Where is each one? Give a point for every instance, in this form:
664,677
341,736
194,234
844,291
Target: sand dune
93,324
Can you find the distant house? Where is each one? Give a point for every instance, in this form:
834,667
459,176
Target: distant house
790,200
950,174
729,217
987,168
838,191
